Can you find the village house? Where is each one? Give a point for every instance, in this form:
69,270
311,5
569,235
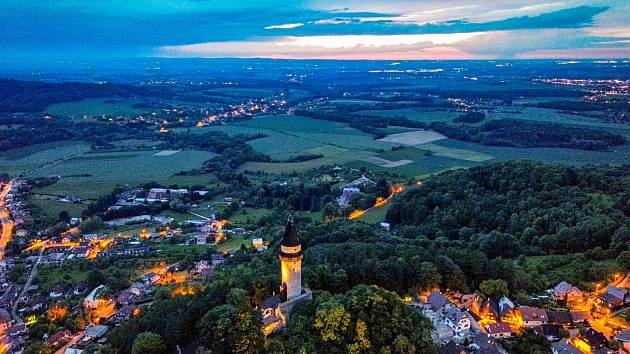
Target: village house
564,347
549,331
218,258
149,278
559,317
472,302
92,300
346,196
565,291
257,243
94,333
532,316
484,344
17,330
499,330
458,321
452,348
124,313
613,297
203,269
59,338
438,302
6,321
590,340
624,338
57,292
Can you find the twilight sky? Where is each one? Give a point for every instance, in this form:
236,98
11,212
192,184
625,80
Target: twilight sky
344,29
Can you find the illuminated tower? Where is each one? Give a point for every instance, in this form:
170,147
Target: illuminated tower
291,262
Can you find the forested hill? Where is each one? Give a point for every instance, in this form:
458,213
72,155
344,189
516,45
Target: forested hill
519,207
35,96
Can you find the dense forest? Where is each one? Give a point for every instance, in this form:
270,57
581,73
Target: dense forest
497,132
522,207
35,96
38,131
522,133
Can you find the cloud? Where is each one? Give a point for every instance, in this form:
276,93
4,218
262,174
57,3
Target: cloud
312,28
285,26
339,47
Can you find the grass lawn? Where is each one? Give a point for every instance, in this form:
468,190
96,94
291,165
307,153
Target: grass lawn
375,216
52,207
234,242
49,277
251,216
557,268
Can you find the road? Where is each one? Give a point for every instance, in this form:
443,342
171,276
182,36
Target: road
31,275
5,219
72,341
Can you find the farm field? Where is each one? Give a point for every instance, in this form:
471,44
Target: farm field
21,160
413,138
52,207
103,171
417,114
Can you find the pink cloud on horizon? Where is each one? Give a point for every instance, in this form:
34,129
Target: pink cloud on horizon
432,53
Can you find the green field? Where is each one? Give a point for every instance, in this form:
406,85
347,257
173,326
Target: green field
417,114
248,216
234,242
107,170
375,216
21,160
52,207
407,153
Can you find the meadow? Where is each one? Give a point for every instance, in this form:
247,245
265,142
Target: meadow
51,207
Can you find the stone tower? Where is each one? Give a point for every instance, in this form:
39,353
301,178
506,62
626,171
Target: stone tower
291,262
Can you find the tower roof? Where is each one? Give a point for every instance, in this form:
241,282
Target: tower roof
290,238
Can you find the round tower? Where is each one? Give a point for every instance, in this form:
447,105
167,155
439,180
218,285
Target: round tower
291,262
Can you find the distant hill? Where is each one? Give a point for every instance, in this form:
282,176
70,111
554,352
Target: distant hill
35,96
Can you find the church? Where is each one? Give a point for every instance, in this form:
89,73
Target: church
277,309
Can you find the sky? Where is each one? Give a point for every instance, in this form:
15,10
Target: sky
315,29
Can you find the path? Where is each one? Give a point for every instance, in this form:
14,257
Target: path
199,215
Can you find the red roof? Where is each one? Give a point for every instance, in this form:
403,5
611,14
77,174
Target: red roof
499,327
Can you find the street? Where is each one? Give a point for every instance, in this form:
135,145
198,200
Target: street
5,220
